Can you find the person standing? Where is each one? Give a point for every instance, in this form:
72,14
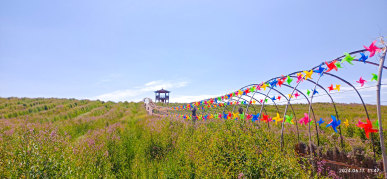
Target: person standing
194,114
240,110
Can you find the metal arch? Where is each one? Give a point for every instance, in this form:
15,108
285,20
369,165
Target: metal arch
291,106
254,106
381,66
338,59
212,109
267,96
263,104
254,98
275,104
251,98
302,95
310,108
372,63
335,76
225,107
334,106
321,88
281,95
298,134
241,95
286,108
284,118
260,111
357,60
362,101
228,100
310,103
271,87
244,100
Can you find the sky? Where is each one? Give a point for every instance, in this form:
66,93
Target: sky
124,50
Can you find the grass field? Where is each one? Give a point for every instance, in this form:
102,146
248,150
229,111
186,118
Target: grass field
353,136
81,138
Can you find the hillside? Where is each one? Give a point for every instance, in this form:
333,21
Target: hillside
82,138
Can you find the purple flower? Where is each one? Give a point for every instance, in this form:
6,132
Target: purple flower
320,166
91,142
53,133
332,174
9,132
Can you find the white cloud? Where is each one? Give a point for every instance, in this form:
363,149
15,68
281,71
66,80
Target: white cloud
346,95
153,83
188,99
156,85
135,93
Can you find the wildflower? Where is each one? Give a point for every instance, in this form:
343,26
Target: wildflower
91,142
332,174
53,133
9,132
240,175
74,150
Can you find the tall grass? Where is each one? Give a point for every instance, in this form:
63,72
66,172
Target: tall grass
72,138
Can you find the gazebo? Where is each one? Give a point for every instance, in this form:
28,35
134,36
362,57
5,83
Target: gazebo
162,96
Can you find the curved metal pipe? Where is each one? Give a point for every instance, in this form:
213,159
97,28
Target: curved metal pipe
244,100
357,60
253,105
294,113
334,106
284,119
362,101
247,101
254,98
309,102
310,108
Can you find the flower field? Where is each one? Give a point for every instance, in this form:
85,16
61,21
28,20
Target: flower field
71,138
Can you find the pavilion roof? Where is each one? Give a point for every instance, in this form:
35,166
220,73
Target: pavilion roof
162,91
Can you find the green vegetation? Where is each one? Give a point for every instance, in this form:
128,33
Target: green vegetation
353,136
82,138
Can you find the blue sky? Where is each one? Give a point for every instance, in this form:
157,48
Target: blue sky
124,50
